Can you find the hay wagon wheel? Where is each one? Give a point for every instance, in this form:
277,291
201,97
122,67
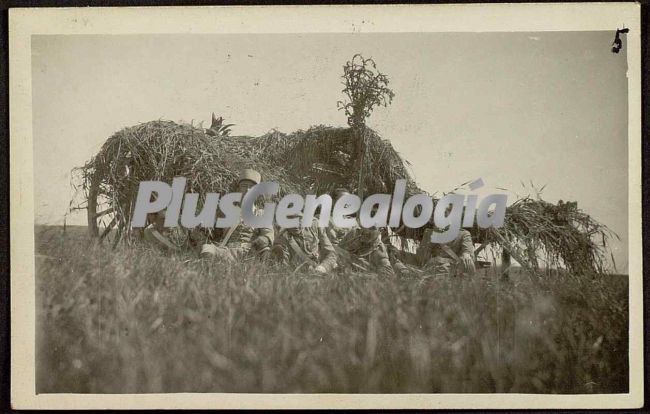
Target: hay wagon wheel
104,222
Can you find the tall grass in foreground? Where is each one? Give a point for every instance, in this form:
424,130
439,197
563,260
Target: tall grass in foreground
131,320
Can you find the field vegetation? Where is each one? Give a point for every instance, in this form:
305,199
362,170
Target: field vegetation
129,319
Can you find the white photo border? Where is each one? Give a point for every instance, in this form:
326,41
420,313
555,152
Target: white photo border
23,23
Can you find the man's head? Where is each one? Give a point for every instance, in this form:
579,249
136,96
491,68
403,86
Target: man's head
247,179
295,231
337,194
373,213
370,234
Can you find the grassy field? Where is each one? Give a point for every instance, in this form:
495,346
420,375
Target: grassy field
131,320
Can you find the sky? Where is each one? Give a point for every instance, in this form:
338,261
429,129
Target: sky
543,108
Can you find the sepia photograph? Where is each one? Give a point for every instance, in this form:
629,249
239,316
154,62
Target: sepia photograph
329,212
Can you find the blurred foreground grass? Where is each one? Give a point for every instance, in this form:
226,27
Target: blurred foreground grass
131,320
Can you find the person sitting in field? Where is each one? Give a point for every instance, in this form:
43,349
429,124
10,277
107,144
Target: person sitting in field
362,249
453,258
307,248
395,257
242,242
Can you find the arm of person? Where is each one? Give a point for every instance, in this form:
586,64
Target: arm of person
331,229
379,260
467,245
397,264
467,251
327,253
280,250
423,252
263,237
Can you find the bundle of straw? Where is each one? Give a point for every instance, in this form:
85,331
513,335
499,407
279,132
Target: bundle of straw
162,150
316,161
541,234
325,158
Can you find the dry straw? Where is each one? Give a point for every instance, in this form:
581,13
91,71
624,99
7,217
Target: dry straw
316,161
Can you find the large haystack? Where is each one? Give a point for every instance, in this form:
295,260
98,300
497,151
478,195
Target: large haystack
316,161
162,150
313,161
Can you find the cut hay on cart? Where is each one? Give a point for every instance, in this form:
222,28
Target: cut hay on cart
536,233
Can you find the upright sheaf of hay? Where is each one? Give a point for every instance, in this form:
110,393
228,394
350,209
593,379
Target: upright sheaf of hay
326,158
316,161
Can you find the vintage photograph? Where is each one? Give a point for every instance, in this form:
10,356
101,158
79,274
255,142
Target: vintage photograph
448,213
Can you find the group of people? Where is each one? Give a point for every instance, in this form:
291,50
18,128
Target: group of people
324,249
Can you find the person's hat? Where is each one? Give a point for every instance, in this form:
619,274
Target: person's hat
250,175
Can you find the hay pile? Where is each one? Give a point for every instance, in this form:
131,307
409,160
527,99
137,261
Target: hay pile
539,234
162,150
313,161
316,161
